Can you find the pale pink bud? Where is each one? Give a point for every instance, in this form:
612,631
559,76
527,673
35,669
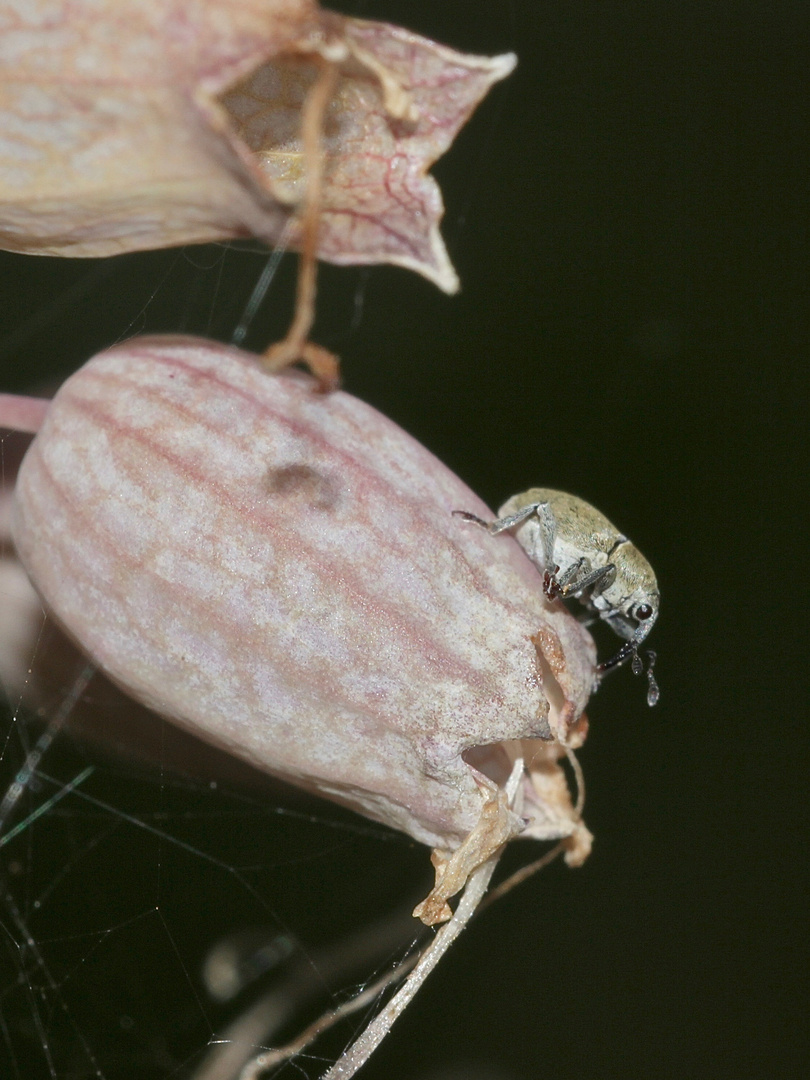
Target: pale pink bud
280,572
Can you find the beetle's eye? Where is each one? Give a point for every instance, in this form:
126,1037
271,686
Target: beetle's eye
643,611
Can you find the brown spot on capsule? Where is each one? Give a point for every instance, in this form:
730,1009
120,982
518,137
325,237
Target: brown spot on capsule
302,482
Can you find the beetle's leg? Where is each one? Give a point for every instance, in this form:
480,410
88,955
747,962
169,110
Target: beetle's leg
548,525
547,536
500,524
504,523
543,553
567,581
625,653
602,576
465,515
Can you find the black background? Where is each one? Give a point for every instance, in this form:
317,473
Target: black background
628,214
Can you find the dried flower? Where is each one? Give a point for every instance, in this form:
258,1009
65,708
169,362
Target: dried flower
132,124
280,573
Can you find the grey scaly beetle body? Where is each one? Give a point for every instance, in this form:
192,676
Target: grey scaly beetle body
582,554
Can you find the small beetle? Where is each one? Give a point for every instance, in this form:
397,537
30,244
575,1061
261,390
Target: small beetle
581,554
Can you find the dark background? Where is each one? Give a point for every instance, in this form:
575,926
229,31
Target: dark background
629,217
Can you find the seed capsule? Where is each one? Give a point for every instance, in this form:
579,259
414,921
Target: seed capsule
280,572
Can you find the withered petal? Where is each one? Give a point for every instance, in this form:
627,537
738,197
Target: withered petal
134,124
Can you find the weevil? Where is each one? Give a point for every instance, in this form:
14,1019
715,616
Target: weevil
581,554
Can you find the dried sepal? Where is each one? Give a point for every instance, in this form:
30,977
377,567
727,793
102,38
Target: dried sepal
499,822
132,124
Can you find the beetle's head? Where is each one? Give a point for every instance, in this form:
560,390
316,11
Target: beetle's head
629,605
631,616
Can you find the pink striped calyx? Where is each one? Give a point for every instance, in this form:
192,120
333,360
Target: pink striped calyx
279,571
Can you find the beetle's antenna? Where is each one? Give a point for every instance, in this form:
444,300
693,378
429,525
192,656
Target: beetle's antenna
630,652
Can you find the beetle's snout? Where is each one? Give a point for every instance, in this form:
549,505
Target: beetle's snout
645,615
642,630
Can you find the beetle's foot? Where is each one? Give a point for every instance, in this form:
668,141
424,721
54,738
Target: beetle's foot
465,515
551,586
